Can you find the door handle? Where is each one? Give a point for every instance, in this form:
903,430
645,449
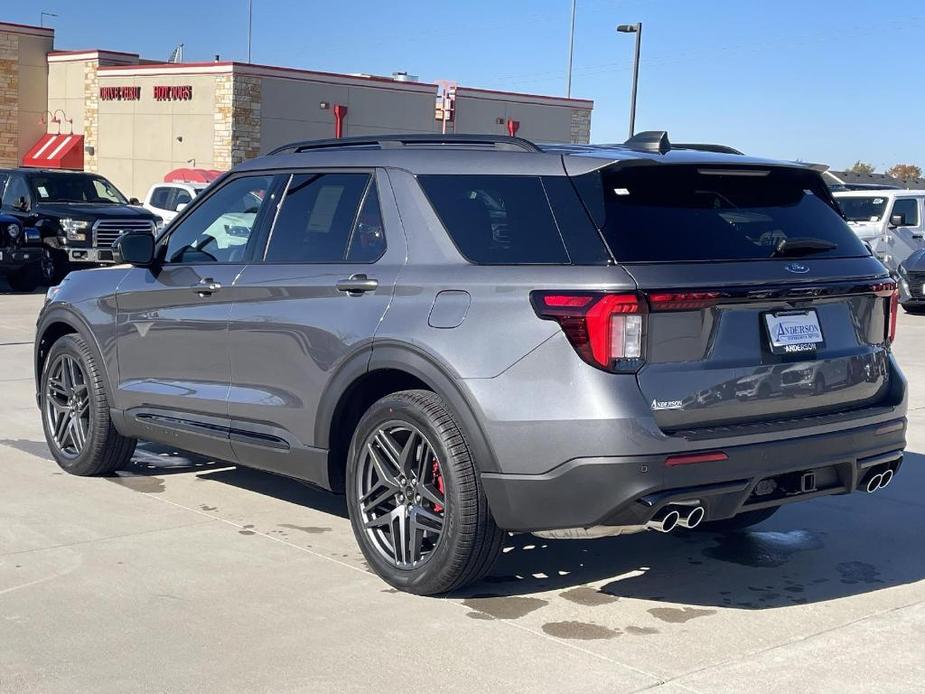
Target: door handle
207,286
356,285
918,236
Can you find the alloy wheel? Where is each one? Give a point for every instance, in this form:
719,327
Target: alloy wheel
67,405
401,494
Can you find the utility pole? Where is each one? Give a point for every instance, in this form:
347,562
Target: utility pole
571,51
633,29
250,27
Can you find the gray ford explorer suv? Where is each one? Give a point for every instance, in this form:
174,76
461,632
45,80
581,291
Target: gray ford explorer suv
474,334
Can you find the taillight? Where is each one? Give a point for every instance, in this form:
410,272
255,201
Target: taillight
682,301
605,329
889,290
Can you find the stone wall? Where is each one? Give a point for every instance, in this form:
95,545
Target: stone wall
237,119
580,127
91,115
221,144
9,99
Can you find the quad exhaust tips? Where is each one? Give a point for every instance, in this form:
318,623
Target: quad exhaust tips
664,521
879,480
692,517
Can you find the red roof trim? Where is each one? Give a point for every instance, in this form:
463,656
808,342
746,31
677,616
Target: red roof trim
44,30
531,96
93,50
234,64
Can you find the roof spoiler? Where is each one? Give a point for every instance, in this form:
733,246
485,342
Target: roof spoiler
650,141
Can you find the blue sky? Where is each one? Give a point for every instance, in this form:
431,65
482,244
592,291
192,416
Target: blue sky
820,80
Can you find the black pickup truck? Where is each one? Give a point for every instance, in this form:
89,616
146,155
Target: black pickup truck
78,215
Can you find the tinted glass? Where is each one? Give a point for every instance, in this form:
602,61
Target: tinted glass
160,198
182,197
367,243
3,179
582,239
688,213
66,187
16,190
909,209
497,220
862,209
218,230
316,219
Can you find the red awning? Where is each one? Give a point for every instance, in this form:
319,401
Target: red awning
192,176
56,152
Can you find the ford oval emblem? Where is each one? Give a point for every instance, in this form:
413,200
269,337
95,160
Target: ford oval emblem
797,268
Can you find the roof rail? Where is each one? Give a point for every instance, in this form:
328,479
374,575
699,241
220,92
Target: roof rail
706,147
500,142
650,141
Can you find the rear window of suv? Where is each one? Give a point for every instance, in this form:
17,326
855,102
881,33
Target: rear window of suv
515,220
667,213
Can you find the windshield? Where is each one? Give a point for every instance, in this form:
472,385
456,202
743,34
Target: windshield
66,187
862,209
665,213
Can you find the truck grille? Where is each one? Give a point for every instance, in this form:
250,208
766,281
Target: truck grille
916,280
105,231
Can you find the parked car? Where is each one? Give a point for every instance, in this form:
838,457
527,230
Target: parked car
167,200
20,254
468,335
78,216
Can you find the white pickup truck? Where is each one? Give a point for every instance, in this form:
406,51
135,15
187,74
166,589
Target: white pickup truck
167,200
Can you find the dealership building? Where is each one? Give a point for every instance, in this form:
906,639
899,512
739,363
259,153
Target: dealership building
135,120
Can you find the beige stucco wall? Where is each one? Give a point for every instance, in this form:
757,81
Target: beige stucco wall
140,141
540,119
23,89
291,110
66,93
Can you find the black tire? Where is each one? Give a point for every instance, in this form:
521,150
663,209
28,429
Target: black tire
914,309
23,280
104,450
740,522
53,266
470,542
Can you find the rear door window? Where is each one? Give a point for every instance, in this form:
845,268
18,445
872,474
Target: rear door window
507,220
318,217
667,213
160,198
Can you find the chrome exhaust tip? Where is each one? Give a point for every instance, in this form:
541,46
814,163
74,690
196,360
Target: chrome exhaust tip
664,521
693,518
873,484
886,478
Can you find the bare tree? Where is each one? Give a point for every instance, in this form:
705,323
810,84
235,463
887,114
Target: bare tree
860,167
905,171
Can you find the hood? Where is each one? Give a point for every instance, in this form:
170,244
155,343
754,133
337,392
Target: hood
915,262
92,211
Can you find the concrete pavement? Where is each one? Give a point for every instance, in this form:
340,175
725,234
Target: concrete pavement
182,574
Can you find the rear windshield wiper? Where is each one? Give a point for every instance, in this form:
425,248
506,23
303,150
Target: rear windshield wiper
789,248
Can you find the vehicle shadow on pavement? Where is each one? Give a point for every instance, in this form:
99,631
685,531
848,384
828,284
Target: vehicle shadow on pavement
814,552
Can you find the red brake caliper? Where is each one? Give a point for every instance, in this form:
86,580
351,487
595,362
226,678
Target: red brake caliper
438,483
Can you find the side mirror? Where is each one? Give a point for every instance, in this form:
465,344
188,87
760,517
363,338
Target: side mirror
31,236
135,247
23,204
134,201
897,220
182,206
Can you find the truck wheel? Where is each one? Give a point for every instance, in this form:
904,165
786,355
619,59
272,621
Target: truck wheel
415,499
53,267
75,412
23,280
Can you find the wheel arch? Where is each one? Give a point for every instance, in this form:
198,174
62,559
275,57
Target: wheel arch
389,368
57,323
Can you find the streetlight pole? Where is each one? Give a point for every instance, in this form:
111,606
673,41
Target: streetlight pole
250,26
633,29
571,51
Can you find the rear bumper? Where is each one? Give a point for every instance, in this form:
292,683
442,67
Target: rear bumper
13,260
585,492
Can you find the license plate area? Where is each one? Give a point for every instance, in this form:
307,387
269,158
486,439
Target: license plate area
793,332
